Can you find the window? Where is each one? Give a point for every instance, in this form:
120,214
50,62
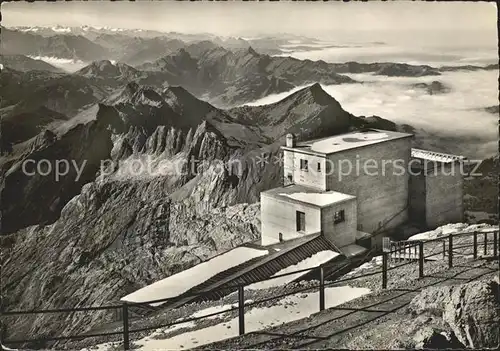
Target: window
280,235
301,221
303,165
290,178
319,166
339,217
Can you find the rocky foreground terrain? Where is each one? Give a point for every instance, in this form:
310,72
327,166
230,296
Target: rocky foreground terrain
448,309
378,320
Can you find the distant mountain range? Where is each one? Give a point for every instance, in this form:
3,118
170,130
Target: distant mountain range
24,64
137,46
58,45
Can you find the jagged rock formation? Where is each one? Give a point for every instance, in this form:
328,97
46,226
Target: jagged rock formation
469,311
110,240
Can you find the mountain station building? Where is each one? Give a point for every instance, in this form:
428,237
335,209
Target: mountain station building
355,187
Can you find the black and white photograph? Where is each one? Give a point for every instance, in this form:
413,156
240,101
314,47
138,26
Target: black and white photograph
218,175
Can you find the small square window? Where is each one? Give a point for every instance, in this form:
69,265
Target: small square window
339,217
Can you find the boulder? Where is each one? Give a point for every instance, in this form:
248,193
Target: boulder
471,311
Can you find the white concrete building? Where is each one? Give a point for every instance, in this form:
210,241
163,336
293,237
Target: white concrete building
351,186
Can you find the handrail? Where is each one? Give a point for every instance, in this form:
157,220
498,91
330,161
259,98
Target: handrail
202,292
411,243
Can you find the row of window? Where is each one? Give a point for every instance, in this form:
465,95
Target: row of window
338,217
304,165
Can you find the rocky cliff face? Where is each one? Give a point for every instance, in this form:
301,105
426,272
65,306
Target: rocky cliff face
113,238
470,312
33,193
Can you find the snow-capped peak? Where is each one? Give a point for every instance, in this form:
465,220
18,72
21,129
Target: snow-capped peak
61,29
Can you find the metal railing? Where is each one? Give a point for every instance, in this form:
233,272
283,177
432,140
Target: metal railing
400,248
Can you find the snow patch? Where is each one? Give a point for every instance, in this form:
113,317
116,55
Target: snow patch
179,283
453,228
338,143
319,199
59,29
288,309
374,263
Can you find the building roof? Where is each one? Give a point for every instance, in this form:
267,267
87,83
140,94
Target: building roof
347,141
435,156
304,195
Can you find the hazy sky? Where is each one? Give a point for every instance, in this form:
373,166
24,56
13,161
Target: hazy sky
374,20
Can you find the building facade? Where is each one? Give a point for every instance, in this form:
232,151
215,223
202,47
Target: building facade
347,185
436,188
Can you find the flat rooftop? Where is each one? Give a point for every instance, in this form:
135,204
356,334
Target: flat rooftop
347,141
435,156
304,195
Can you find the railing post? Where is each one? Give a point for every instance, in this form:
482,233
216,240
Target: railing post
495,244
384,270
241,309
421,259
450,250
475,245
2,332
444,249
126,339
485,244
321,289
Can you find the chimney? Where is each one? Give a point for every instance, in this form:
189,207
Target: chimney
290,140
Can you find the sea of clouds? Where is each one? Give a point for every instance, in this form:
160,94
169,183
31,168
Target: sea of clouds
457,113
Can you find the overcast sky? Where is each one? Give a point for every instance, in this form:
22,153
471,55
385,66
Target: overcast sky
399,20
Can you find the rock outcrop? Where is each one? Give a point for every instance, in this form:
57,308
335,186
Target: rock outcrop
469,311
113,238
